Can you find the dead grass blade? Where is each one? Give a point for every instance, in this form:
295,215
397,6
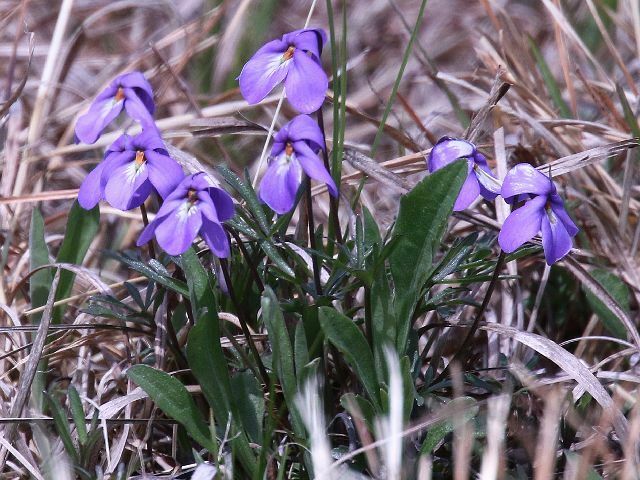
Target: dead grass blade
375,170
18,91
78,270
569,364
498,90
215,127
40,197
498,411
546,450
29,372
580,160
23,461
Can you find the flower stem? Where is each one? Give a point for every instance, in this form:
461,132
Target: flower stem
312,238
243,322
462,352
277,112
333,201
245,254
145,221
368,321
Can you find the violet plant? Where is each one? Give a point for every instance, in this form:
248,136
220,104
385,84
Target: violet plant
480,180
270,287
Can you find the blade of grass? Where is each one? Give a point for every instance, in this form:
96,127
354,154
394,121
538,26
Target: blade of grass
29,372
396,85
550,81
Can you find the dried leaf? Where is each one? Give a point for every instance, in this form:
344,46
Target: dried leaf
569,364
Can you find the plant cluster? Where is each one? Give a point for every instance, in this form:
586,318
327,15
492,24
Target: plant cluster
270,325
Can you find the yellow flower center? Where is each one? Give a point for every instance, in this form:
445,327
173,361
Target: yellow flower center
288,54
119,94
139,158
288,149
192,196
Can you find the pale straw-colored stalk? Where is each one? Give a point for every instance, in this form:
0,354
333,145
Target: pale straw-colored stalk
309,404
272,127
389,427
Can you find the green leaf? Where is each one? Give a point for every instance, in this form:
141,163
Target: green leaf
454,257
273,253
204,352
246,191
39,285
205,355
383,317
39,282
77,412
82,227
349,339
619,292
301,347
200,291
209,366
440,430
308,371
408,387
155,274
282,351
250,402
313,333
62,426
174,400
422,219
371,230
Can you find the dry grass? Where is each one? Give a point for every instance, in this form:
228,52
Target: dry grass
55,59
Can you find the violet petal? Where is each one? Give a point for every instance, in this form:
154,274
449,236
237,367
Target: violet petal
263,72
306,83
313,166
556,241
214,235
522,224
177,231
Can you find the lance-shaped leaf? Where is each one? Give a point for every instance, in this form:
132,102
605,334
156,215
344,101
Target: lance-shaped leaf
174,400
82,227
349,339
421,222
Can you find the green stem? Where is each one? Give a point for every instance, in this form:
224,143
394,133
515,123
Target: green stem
333,201
243,322
245,254
462,352
312,238
396,85
145,220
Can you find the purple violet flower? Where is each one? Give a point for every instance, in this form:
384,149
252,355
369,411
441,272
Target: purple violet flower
294,150
194,207
130,92
295,59
132,168
543,211
480,180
